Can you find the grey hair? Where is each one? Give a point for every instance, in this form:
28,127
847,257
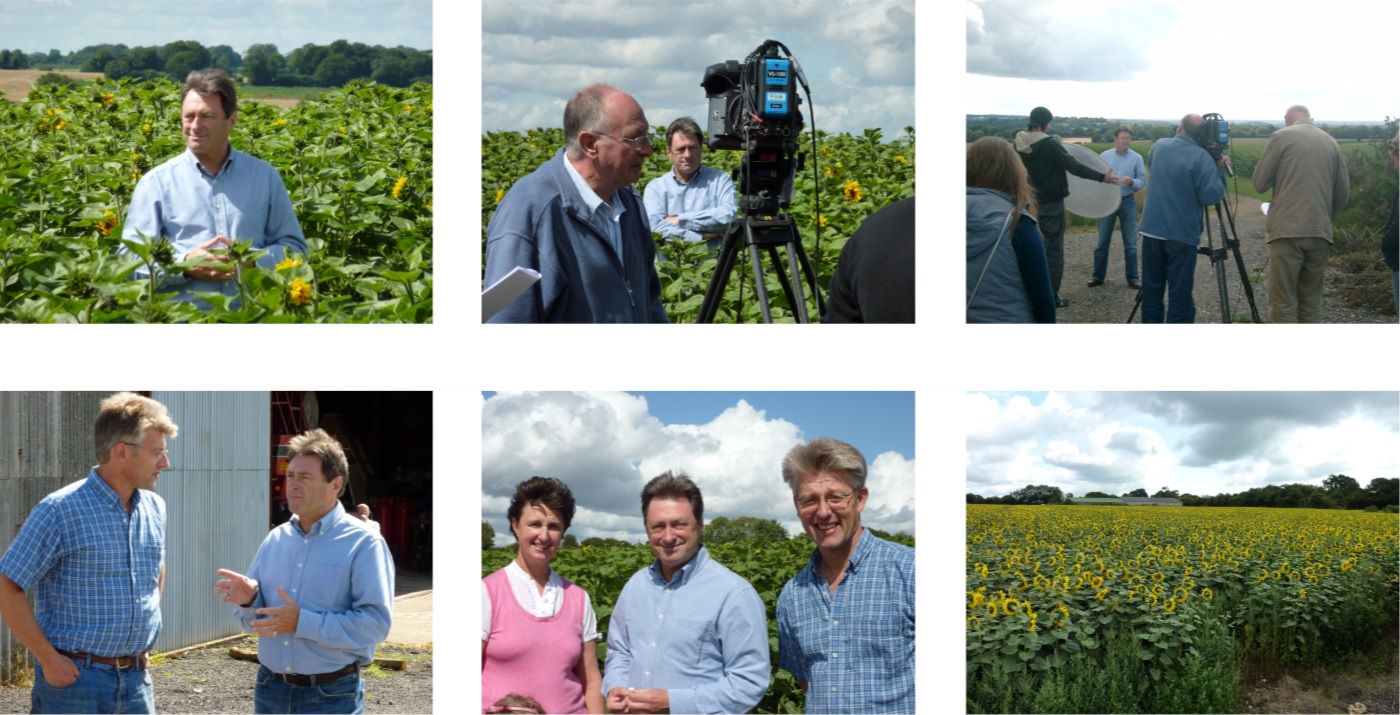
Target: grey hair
825,455
586,112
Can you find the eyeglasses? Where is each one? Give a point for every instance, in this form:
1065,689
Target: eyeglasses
638,143
836,502
158,452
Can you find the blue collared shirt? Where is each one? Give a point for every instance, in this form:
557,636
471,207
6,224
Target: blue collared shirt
603,215
1128,164
702,637
704,204
94,569
342,577
853,648
182,201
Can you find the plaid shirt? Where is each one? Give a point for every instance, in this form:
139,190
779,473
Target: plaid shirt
93,568
853,648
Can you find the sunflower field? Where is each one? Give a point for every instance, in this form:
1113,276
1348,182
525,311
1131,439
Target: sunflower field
1159,609
854,176
357,163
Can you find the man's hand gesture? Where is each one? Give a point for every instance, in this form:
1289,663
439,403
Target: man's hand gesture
279,619
236,588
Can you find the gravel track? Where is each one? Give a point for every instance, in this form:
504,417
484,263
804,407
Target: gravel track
1113,301
209,681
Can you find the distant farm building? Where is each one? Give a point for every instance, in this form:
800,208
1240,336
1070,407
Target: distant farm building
1127,501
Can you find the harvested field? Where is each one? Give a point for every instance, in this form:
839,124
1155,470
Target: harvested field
16,83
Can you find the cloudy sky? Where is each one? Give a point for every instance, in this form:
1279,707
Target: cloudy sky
67,25
606,446
1194,442
1160,59
858,56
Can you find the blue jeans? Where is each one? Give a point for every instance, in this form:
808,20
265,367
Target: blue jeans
1168,267
98,689
343,695
1126,215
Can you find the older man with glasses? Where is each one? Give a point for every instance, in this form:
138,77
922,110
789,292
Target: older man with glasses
93,554
579,222
846,620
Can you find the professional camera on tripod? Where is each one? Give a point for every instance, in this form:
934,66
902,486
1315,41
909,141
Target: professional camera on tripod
754,108
1213,135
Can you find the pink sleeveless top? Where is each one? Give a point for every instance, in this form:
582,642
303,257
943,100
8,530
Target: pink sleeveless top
533,656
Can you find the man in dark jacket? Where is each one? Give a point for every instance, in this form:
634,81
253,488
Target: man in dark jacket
578,221
1046,163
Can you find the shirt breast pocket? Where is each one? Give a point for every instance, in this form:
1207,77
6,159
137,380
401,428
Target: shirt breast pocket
687,641
886,638
326,587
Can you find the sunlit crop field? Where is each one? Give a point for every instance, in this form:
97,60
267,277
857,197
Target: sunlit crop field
1160,609
357,163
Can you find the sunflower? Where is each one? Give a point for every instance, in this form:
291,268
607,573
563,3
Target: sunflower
289,262
852,191
399,186
1207,594
299,292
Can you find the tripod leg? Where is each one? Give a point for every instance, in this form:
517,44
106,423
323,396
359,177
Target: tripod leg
1234,246
724,265
784,280
760,288
794,275
811,278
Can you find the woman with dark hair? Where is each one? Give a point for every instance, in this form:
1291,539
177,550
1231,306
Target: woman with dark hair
538,631
1008,277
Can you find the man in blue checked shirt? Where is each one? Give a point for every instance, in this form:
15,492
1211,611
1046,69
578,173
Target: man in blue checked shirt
846,620
319,594
93,553
687,635
690,202
211,196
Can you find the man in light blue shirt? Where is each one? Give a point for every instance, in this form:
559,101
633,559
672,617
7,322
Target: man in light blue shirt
319,594
1132,178
690,202
211,196
687,635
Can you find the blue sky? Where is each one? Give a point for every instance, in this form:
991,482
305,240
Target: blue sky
1160,59
67,25
1194,442
606,445
858,56
885,423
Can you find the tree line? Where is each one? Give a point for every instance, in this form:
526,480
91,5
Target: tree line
720,530
310,65
1101,130
1338,491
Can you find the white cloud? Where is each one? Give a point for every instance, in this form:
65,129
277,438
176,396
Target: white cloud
606,446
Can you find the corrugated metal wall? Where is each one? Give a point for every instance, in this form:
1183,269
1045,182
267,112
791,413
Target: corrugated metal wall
216,491
45,443
216,494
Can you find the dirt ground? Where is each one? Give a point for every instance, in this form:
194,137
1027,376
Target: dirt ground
1113,301
208,680
16,83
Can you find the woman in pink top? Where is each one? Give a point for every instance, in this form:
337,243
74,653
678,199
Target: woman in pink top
538,631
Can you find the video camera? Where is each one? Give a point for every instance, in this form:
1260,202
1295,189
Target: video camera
754,107
1214,135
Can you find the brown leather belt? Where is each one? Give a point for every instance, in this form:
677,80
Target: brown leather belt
310,680
122,661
